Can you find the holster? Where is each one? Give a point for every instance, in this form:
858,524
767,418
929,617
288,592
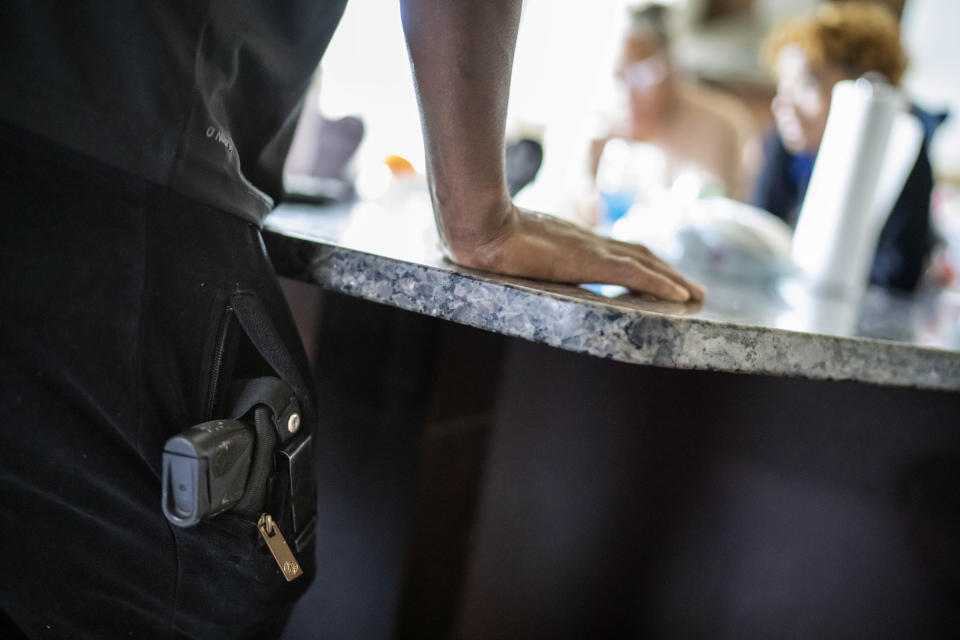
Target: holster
258,457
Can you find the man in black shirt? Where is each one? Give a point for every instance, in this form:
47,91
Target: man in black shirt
141,145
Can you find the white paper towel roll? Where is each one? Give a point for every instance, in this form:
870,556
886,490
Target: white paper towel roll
841,218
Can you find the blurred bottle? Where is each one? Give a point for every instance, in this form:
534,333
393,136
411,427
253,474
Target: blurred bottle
628,173
869,145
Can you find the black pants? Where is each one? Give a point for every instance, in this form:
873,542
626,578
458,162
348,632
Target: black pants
112,292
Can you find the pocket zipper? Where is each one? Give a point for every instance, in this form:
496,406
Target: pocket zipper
288,564
223,336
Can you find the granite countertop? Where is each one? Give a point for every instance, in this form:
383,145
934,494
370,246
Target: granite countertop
772,326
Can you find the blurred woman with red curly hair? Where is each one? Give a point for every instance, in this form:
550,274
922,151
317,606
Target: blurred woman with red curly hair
808,56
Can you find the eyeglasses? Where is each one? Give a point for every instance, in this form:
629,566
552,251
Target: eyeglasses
644,74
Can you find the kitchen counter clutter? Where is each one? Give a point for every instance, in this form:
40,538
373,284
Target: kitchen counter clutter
759,325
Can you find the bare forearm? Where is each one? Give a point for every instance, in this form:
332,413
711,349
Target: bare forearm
462,54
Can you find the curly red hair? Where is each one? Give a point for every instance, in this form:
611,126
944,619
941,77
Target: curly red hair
856,37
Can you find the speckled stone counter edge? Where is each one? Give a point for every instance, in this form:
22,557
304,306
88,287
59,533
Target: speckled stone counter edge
607,331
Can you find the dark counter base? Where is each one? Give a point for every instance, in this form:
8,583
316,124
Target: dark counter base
481,486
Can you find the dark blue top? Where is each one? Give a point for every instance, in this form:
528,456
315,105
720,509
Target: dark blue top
905,240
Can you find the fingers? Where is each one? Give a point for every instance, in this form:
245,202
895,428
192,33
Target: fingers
697,292
552,249
631,273
651,261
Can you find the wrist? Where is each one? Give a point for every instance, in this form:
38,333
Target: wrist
472,229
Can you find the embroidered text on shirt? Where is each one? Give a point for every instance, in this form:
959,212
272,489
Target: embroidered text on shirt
216,134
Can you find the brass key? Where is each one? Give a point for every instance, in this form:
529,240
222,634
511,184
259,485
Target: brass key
278,547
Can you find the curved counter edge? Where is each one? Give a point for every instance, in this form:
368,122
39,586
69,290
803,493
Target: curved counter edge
522,309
